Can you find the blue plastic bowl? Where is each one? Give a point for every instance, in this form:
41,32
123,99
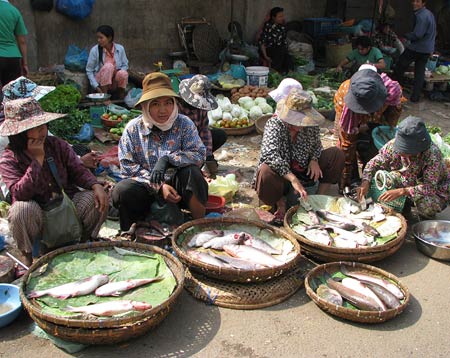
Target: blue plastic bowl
381,139
9,295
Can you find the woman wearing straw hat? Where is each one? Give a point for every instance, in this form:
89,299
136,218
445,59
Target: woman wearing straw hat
159,139
416,165
25,171
292,159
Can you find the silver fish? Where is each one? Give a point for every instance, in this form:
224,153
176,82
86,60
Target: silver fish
355,298
251,254
230,239
206,258
350,225
260,244
330,295
73,289
386,296
202,237
111,308
364,290
117,288
238,263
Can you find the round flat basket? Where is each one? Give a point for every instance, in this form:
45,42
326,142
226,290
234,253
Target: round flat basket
355,315
243,296
183,234
206,43
325,253
99,331
260,123
240,131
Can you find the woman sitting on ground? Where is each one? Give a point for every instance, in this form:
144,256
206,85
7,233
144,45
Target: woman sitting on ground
107,64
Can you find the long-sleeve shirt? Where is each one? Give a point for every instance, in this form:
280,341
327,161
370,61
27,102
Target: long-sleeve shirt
278,151
273,34
425,175
200,119
423,36
140,147
94,64
27,180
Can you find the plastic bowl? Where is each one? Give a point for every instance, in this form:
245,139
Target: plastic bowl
9,296
110,122
214,203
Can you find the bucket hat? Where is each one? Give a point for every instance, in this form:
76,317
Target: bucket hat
412,136
23,114
196,91
297,110
22,87
156,85
367,92
284,88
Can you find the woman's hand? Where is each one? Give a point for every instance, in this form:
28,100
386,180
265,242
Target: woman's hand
170,194
298,187
392,194
314,171
90,160
100,197
363,190
35,149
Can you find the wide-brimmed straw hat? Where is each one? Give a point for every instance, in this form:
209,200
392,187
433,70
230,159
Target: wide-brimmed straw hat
367,92
196,91
23,114
297,110
22,87
154,85
412,136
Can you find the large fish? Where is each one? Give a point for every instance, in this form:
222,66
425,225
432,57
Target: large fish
379,281
364,290
202,237
251,254
358,237
342,219
217,243
257,243
206,258
111,308
330,295
73,289
386,296
119,287
354,297
238,263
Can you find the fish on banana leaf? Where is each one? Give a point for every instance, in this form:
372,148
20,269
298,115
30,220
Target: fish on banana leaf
252,254
360,287
199,239
217,243
330,295
110,308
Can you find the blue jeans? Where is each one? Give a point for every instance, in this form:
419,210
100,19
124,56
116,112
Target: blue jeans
420,60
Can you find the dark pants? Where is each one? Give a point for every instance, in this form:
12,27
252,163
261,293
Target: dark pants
10,69
420,60
219,137
281,60
134,199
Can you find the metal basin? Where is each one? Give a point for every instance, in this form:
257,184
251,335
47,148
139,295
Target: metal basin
98,97
433,238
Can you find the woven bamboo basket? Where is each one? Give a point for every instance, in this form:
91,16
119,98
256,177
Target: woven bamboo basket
240,131
225,273
260,123
108,330
354,314
329,253
43,79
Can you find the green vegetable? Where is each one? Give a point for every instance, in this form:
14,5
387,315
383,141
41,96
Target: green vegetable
434,129
68,126
64,99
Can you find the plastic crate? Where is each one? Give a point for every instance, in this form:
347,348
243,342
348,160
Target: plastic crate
320,26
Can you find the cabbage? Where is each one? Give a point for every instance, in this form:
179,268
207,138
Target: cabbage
243,115
226,105
260,100
227,116
216,114
220,96
248,105
255,112
242,100
266,108
442,69
236,111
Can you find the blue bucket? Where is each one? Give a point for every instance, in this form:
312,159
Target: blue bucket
382,134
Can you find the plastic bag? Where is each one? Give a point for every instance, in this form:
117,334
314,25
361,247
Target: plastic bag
225,186
132,97
76,59
86,133
75,9
118,110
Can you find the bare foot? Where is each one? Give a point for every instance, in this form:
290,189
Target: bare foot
281,209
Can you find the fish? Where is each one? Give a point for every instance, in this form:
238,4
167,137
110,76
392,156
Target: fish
369,230
218,242
73,289
377,280
119,287
312,215
252,254
358,286
330,295
337,219
343,243
110,308
238,263
358,237
202,237
386,296
258,243
206,258
354,297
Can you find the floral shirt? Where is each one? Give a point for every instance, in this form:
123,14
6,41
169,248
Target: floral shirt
278,151
425,175
140,147
273,34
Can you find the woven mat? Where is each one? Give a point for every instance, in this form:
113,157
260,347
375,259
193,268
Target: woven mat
250,295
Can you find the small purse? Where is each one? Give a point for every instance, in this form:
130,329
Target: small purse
61,224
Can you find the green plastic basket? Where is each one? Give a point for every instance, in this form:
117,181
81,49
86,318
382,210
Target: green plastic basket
385,182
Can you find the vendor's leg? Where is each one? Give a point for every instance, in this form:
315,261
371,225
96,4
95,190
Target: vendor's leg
331,162
429,206
219,137
403,63
26,225
91,219
120,82
133,200
270,187
105,76
193,189
348,145
419,75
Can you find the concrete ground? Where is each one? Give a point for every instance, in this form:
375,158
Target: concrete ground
296,327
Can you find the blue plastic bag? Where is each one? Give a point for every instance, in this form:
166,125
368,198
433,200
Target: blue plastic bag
75,9
76,59
86,133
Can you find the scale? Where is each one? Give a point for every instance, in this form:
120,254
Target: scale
96,111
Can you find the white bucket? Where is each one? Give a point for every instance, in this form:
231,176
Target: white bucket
257,76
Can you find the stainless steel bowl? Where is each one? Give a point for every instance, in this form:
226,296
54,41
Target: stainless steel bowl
98,97
433,238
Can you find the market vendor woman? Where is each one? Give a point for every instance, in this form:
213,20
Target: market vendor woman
416,167
159,139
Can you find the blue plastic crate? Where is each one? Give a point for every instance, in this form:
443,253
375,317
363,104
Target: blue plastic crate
319,26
